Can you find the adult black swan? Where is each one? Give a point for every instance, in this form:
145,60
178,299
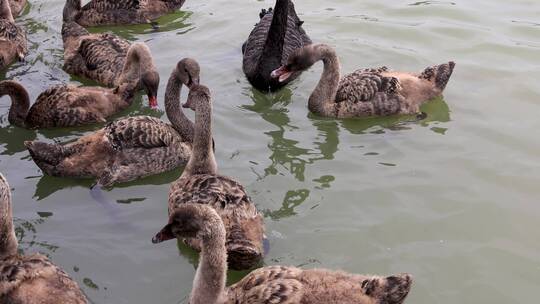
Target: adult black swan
273,39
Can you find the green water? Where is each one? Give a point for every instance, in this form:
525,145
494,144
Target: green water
453,199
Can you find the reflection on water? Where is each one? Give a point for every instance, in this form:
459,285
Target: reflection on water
293,199
26,232
285,153
168,23
436,111
48,185
13,137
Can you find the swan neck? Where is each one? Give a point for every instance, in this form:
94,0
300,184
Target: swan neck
326,90
202,160
8,240
209,282
129,79
275,39
5,11
20,102
174,111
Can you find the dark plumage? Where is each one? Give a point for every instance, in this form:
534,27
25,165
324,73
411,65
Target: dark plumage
365,92
274,38
274,284
108,12
129,148
200,184
31,279
13,45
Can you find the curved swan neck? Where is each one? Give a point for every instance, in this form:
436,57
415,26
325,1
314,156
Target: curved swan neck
174,111
20,102
5,11
326,90
202,160
209,282
131,73
8,240
273,47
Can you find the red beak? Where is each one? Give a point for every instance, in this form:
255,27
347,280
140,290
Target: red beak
152,101
282,74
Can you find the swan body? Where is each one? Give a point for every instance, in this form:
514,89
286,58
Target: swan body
70,105
31,279
274,284
13,45
274,38
128,148
201,184
102,57
111,12
365,92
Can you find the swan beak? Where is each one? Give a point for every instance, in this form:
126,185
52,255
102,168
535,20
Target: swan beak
282,74
164,235
152,101
187,104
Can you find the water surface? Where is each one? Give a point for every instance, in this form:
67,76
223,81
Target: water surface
452,199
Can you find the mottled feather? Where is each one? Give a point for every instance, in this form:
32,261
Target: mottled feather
107,12
13,44
100,57
243,223
125,150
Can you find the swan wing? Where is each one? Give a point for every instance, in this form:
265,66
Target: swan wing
19,274
275,284
103,54
363,85
107,5
11,33
218,191
140,132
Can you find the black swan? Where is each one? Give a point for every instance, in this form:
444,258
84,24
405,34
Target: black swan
274,38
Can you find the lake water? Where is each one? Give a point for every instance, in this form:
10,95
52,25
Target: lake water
452,199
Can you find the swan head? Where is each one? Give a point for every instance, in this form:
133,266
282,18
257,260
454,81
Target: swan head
188,71
199,95
150,82
190,220
299,61
387,290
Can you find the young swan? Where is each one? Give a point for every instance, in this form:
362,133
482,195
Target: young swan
31,279
275,284
13,43
103,57
200,183
70,105
109,12
128,148
367,92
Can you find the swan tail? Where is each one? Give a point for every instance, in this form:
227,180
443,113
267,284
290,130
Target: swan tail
47,156
264,12
439,75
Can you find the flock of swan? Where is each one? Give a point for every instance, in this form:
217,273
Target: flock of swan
210,212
